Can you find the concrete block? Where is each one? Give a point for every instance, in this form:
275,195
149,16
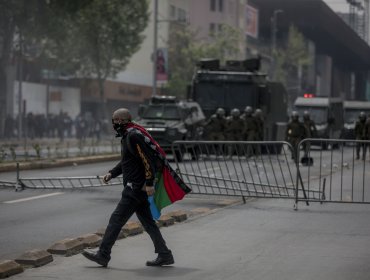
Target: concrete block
179,215
9,268
132,228
166,220
66,247
35,258
199,211
100,231
227,202
90,240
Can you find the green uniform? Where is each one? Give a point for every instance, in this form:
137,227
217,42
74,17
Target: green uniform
216,127
234,129
310,131
295,132
360,135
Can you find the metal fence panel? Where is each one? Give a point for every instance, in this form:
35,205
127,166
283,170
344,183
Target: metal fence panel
336,172
66,182
7,184
238,168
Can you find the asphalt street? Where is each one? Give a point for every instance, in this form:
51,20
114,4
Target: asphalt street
262,240
36,218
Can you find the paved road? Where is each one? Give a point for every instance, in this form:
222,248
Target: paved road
29,224
261,240
37,218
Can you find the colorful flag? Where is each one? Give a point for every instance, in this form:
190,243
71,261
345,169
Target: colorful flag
169,187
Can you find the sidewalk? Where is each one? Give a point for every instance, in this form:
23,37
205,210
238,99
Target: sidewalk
55,153
263,239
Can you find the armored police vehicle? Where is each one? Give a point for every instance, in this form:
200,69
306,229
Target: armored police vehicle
352,110
239,84
326,112
168,119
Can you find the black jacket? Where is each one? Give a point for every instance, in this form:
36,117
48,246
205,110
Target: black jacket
138,161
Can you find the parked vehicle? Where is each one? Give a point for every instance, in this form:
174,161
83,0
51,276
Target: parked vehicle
168,119
352,109
239,84
326,112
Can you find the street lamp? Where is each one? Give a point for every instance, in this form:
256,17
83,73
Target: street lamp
155,47
273,40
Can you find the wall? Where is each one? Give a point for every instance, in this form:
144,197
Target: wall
66,99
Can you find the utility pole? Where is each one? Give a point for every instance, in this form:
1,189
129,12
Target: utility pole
273,40
20,77
155,47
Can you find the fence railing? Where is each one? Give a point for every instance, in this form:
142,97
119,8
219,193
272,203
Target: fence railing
335,171
325,171
239,168
66,182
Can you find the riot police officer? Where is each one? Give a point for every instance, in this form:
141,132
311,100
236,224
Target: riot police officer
250,129
260,124
366,135
310,130
250,124
235,126
216,126
295,132
234,129
360,135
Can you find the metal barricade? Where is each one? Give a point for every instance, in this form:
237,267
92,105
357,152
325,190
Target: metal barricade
66,182
7,184
331,168
239,168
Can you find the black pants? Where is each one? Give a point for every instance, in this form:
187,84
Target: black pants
132,201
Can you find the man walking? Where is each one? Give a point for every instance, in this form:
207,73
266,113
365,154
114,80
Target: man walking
139,165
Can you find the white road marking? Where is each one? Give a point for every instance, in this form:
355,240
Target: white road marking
32,197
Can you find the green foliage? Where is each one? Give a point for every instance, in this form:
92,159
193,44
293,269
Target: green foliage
12,153
93,38
185,50
37,149
3,154
294,55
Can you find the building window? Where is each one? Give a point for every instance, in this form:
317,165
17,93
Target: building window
181,15
220,27
172,11
213,5
220,5
212,28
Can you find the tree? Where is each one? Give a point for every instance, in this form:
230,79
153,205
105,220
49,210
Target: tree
291,59
107,33
186,50
89,38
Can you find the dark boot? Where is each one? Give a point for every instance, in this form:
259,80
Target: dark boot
96,257
162,259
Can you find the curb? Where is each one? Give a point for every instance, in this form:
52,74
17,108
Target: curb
9,268
34,258
72,246
43,164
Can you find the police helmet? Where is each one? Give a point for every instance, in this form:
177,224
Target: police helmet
306,115
248,110
258,112
362,116
220,112
295,115
235,112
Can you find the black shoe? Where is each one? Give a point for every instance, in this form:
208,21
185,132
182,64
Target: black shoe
96,257
166,259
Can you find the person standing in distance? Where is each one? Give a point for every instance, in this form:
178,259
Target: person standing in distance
137,167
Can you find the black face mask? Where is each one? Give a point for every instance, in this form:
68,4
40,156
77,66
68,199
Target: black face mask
120,128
